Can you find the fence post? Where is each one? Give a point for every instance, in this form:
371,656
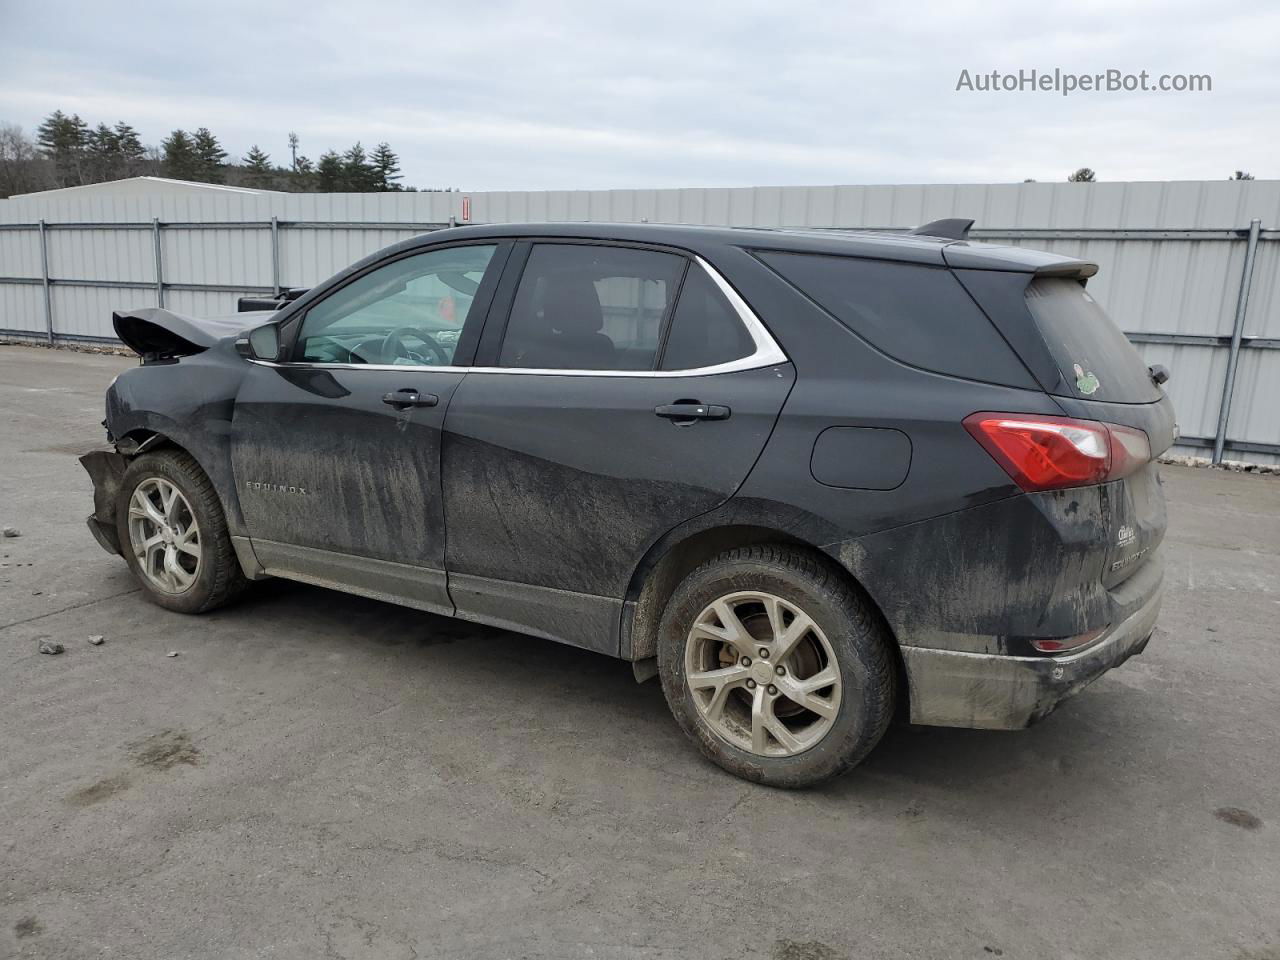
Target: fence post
275,255
44,276
159,247
1233,359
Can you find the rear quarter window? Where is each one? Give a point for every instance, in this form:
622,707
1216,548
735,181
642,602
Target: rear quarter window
917,314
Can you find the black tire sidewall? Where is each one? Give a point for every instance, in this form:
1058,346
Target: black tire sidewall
166,466
855,638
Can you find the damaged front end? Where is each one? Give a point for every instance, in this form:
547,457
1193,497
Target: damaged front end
106,470
154,333
157,336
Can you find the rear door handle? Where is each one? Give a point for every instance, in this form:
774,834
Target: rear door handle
690,410
404,399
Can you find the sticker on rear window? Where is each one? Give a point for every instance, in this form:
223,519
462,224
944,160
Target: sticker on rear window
1086,382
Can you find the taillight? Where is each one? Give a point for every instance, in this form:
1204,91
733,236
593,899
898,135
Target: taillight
1130,450
1048,453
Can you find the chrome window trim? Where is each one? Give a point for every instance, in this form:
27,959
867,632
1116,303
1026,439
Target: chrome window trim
767,352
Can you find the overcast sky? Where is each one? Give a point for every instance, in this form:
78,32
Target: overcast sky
558,94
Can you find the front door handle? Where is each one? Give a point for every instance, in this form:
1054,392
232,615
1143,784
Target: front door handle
404,399
686,411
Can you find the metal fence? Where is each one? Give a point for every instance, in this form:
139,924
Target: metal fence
1200,299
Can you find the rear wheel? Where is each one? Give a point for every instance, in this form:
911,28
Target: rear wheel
174,535
775,666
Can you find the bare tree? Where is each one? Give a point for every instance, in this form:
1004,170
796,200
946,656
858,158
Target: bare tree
20,164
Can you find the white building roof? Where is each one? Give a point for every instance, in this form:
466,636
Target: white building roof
149,186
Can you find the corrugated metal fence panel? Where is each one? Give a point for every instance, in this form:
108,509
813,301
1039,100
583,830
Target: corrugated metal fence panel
1263,319
1255,409
1195,386
100,254
86,311
22,307
1149,284
20,253
309,256
200,303
233,256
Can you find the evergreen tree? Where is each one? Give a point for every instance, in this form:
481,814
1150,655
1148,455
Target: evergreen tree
102,147
129,144
357,175
180,160
62,139
330,172
1241,175
257,160
258,165
293,151
209,156
1083,175
386,166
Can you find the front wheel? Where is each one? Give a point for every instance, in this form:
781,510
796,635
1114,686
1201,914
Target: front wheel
775,666
174,535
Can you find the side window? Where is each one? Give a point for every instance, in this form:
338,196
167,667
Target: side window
915,313
705,329
582,307
411,311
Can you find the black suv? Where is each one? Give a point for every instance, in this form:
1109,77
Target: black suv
808,479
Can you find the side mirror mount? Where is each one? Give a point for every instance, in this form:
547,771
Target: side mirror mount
1159,373
261,343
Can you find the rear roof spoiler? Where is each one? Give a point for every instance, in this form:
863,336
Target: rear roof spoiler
952,228
957,228
1080,269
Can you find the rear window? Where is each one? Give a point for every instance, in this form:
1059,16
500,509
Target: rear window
1094,356
918,314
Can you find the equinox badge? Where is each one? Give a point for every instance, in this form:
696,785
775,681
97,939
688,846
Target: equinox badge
276,487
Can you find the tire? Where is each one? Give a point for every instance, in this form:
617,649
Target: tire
208,580
767,590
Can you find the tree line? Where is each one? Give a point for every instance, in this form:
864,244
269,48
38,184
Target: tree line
68,152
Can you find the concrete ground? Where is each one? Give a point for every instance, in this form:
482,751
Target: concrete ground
321,776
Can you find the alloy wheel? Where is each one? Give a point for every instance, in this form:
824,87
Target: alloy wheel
762,674
164,535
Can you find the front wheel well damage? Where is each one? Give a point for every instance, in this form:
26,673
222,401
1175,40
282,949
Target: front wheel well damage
656,580
140,440
106,469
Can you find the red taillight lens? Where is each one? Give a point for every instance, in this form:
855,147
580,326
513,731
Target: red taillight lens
1047,453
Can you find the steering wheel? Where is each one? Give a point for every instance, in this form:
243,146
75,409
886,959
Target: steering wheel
393,346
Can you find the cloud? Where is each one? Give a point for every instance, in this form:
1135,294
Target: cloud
564,94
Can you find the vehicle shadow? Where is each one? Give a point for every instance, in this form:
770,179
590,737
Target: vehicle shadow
597,696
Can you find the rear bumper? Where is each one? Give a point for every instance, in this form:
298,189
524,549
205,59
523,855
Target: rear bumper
992,692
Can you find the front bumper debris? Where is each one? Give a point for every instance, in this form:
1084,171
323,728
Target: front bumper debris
992,692
106,470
